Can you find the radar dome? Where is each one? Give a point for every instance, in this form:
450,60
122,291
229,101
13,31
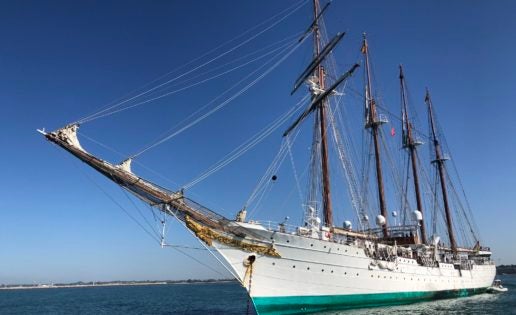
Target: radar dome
418,216
380,220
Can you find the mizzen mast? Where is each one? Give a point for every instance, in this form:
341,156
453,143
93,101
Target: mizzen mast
319,77
439,160
373,121
410,143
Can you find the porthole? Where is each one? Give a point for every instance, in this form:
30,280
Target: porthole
274,264
357,274
294,266
307,268
312,245
322,270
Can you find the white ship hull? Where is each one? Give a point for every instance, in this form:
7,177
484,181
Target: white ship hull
315,275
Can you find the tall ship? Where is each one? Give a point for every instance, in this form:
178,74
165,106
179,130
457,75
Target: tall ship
427,249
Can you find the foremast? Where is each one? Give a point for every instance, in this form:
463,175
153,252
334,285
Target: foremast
410,143
373,122
439,161
320,76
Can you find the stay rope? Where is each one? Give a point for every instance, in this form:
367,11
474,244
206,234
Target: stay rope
291,10
294,170
147,231
221,105
288,45
265,184
248,144
206,247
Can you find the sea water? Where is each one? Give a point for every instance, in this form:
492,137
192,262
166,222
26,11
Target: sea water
213,298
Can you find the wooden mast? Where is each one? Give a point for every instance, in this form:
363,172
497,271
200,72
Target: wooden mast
319,74
374,123
440,166
411,144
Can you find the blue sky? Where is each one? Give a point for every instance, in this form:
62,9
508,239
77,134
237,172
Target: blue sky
61,60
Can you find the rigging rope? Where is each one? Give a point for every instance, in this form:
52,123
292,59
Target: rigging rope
264,181
206,247
298,186
220,106
395,173
288,45
347,167
247,145
116,202
139,212
291,10
146,231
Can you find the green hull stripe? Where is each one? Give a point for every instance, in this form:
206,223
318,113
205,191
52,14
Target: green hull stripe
316,303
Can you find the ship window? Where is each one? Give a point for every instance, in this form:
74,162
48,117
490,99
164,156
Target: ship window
332,271
385,277
312,245
322,270
345,273
371,276
274,264
357,274
378,276
307,268
294,266
346,250
288,241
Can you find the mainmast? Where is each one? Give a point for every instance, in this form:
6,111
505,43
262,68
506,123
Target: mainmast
373,122
410,143
439,159
319,77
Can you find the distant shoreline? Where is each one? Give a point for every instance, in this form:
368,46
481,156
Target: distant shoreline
506,269
108,284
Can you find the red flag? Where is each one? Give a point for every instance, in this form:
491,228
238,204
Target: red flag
393,132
